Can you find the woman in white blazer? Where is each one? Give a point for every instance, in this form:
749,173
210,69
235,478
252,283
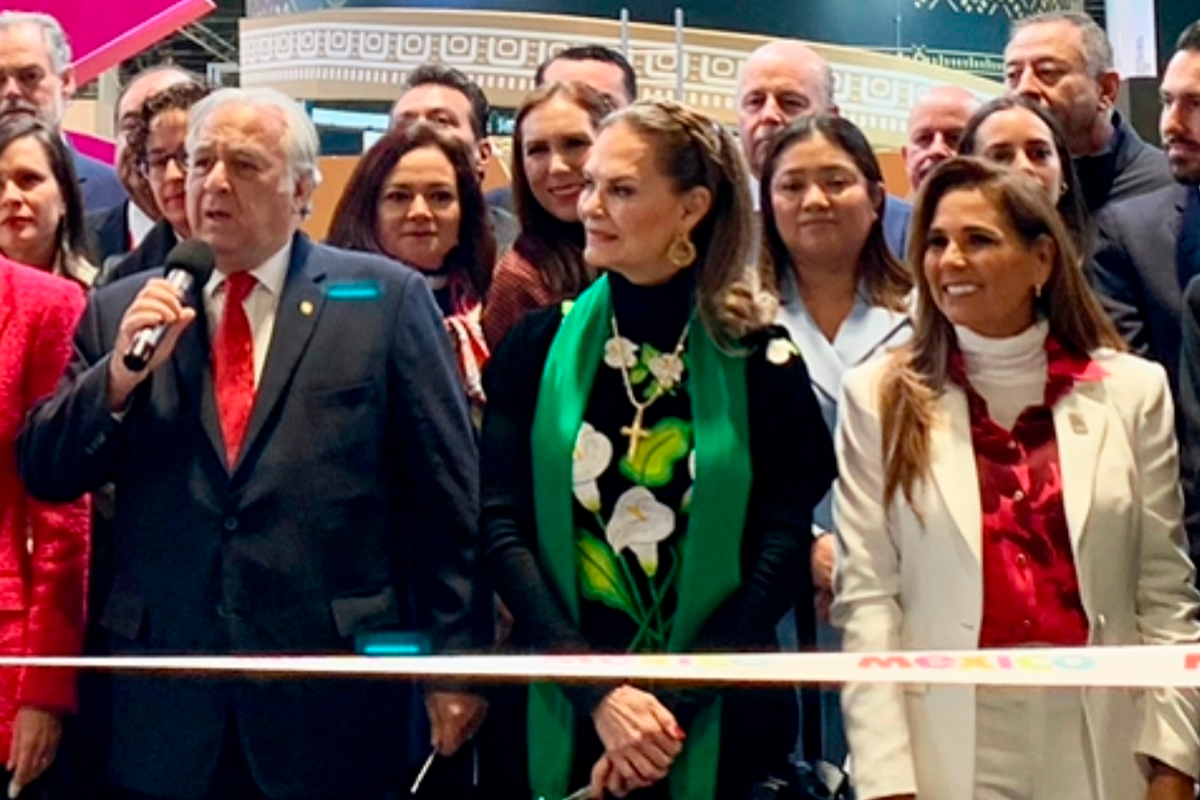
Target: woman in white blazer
843,298
1009,479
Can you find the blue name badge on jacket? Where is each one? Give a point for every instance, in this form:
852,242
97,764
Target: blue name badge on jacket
354,290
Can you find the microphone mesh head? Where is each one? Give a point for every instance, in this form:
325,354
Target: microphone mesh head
194,257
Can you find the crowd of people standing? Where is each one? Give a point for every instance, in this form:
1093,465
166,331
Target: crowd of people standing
674,390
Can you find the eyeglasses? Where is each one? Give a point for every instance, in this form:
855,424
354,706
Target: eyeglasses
155,164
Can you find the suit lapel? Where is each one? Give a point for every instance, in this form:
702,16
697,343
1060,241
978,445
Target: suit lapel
1187,235
824,367
1080,419
295,320
194,375
867,329
864,331
952,457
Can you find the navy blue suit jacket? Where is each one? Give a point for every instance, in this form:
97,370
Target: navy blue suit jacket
897,214
98,183
352,508
1136,274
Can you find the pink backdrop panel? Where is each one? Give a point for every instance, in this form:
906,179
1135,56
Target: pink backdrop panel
103,38
94,146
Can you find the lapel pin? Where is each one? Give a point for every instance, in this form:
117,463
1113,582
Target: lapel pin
306,308
1077,424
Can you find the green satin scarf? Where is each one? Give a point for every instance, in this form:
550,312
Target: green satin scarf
710,569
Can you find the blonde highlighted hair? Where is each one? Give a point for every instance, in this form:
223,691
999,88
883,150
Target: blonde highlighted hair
916,374
693,150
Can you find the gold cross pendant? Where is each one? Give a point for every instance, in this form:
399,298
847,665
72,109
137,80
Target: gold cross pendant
635,432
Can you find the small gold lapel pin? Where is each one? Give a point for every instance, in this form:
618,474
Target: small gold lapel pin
306,308
1077,424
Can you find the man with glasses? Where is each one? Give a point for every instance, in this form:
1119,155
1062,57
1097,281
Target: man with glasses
161,160
121,228
36,79
1064,61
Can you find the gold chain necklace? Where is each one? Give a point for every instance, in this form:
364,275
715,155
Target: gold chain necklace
637,432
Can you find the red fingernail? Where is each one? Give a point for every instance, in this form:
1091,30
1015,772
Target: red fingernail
678,733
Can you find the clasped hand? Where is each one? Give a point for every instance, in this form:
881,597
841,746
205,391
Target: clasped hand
641,741
454,717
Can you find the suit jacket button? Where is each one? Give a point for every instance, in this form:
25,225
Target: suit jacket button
231,524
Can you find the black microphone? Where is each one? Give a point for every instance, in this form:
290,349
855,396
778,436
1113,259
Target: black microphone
188,264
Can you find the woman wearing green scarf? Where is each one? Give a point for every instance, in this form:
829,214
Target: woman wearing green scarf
651,457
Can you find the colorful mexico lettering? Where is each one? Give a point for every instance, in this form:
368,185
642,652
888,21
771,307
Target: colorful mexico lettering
1033,662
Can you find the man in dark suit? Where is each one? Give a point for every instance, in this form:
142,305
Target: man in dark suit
1149,246
120,229
1063,60
36,78
783,80
316,484
1181,135
162,163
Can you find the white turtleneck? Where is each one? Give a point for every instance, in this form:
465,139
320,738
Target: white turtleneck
1010,373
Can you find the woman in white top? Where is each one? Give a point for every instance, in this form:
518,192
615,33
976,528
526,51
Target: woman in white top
843,298
1009,479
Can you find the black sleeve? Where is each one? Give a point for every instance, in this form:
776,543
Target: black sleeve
441,459
792,457
1189,416
69,442
1115,281
511,382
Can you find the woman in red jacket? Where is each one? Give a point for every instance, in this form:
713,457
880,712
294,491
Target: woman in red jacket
43,547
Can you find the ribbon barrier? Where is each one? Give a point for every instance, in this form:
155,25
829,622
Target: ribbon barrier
1144,666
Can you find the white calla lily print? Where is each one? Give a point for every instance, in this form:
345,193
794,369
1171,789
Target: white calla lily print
591,457
639,522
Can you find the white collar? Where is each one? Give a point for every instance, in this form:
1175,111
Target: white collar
138,221
271,274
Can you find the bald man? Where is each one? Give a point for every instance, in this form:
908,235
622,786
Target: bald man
780,81
935,125
783,80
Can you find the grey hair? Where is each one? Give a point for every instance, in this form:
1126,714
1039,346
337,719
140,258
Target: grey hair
1097,50
300,135
57,46
827,80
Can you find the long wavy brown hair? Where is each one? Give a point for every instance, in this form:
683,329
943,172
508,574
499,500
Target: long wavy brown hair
916,374
552,246
355,224
693,150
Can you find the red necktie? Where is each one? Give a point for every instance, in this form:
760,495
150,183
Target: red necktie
233,364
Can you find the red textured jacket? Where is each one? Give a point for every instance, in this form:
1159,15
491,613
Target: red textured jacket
43,547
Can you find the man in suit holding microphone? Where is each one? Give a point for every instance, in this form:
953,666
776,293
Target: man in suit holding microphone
296,447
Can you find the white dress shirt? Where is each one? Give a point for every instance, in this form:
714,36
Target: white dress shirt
260,305
139,223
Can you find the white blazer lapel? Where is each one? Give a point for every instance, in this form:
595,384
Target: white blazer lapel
952,458
825,367
867,329
1080,419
